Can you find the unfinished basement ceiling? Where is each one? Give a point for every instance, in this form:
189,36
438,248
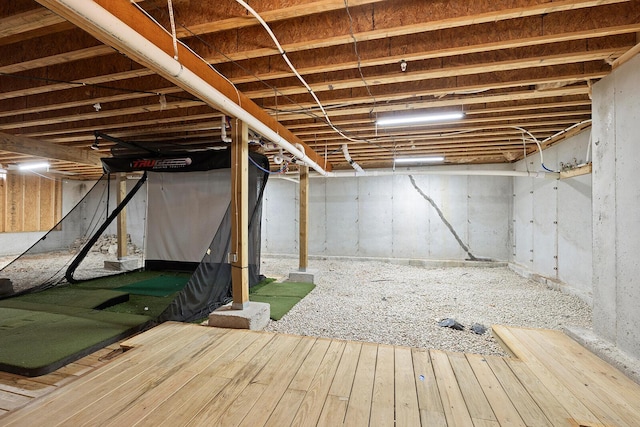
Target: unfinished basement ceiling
504,64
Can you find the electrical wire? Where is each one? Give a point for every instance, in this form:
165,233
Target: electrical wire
303,110
355,49
524,150
555,135
284,56
534,139
174,37
283,169
148,15
93,85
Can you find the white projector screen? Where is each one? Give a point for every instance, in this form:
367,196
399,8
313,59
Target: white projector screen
184,212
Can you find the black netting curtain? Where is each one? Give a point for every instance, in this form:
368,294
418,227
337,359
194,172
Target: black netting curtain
47,262
210,284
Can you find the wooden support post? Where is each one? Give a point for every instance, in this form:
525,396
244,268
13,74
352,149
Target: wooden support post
239,255
304,218
122,216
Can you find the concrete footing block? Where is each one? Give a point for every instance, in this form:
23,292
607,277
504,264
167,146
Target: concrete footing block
123,264
254,316
307,276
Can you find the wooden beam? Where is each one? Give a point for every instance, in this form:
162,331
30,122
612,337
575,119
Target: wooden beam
319,32
291,12
61,58
581,170
239,215
101,115
446,71
626,56
30,20
47,150
133,18
304,218
128,129
122,216
479,99
75,82
44,104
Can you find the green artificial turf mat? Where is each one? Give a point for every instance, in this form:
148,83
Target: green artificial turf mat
281,296
36,342
74,297
279,305
289,289
161,286
144,305
118,280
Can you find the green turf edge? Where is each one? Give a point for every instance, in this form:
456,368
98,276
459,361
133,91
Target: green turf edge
37,356
264,282
279,305
290,289
143,305
36,372
76,297
281,296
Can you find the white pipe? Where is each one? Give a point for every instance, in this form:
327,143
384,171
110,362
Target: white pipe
586,159
163,63
223,130
347,156
459,172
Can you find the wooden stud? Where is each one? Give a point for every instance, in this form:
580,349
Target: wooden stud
3,203
304,218
31,203
239,214
122,216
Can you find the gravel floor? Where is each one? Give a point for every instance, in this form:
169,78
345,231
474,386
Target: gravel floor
402,305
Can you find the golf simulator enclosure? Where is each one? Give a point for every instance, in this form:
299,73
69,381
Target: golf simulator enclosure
55,313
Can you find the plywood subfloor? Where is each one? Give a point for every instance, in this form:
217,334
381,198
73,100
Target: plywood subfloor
189,375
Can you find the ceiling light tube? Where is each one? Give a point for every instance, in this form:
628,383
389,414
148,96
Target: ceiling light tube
425,118
429,159
33,166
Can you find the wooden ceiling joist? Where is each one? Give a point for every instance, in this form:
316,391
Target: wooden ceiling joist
23,145
529,63
130,16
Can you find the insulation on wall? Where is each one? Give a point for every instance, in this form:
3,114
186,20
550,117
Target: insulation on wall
29,203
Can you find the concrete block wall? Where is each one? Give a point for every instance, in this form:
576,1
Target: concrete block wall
616,207
386,216
552,231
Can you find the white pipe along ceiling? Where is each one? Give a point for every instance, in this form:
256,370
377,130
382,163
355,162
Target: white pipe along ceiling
137,46
458,172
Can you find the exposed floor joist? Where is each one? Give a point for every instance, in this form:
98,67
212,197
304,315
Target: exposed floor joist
478,57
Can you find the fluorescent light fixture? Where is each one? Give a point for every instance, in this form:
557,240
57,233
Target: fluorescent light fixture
424,118
429,159
33,166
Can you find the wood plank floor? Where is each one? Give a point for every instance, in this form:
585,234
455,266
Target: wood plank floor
189,375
